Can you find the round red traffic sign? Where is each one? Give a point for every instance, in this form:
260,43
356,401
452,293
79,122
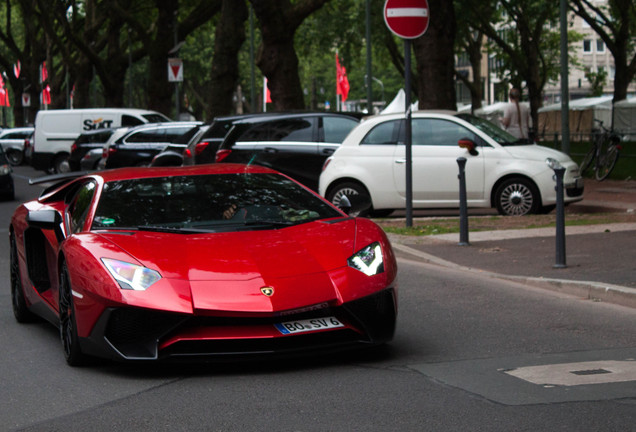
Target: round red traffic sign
406,18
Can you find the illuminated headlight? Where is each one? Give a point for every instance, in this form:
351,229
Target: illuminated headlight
131,276
368,260
5,169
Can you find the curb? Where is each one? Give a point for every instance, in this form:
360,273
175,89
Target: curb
595,291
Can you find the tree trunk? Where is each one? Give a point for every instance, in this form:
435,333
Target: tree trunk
229,37
276,56
435,60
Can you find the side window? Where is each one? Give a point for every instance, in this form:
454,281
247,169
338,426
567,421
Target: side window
257,132
78,210
147,136
336,129
127,120
439,132
384,133
300,129
173,134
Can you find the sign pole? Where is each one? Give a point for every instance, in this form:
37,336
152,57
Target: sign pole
407,133
407,19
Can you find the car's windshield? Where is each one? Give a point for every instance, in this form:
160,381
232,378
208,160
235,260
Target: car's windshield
218,202
499,135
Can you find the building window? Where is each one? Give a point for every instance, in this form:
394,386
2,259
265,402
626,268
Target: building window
600,46
587,46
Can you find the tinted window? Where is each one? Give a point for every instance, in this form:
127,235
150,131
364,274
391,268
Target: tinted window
175,134
147,136
384,133
79,208
296,129
439,132
127,120
199,202
336,129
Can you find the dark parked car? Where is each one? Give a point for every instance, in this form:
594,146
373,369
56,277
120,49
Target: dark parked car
139,145
296,144
7,190
203,150
86,151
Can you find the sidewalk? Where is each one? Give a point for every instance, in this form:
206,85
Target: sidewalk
600,259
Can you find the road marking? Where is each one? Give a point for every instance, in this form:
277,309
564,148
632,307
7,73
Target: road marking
573,374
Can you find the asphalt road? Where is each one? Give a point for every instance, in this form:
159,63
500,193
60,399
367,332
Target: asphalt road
461,337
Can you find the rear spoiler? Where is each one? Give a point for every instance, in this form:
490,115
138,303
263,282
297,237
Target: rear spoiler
56,180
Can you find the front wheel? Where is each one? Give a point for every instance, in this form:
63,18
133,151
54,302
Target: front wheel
606,162
517,197
60,164
355,193
68,324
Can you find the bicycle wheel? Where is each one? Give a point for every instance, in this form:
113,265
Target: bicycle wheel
586,163
607,160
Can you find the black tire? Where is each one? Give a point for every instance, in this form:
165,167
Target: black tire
68,325
586,163
517,197
357,194
607,160
15,157
20,310
60,164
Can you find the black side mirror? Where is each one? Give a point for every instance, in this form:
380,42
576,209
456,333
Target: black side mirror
48,220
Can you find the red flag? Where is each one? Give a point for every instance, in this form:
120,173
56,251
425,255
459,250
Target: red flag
3,96
342,83
46,95
16,69
268,94
44,74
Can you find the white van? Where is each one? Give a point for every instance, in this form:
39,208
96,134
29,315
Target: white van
55,131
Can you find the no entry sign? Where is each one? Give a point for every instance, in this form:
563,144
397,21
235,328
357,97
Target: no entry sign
408,19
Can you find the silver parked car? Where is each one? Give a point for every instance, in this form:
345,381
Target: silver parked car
12,141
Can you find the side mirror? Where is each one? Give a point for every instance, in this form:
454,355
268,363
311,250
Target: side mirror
469,145
48,220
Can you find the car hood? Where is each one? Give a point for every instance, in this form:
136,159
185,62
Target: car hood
226,271
536,152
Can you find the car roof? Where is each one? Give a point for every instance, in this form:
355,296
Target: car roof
279,116
18,129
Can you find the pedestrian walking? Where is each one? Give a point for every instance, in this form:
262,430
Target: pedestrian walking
516,119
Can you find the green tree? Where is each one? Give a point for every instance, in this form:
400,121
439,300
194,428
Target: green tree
615,23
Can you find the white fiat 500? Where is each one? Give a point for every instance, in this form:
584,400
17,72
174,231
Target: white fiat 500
514,176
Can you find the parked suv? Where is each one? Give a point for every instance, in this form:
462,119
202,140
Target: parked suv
294,144
138,145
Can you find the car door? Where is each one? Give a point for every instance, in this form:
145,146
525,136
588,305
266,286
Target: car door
435,169
291,147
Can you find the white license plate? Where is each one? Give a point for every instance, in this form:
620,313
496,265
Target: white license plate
308,325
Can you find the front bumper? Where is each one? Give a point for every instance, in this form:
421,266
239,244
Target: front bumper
144,334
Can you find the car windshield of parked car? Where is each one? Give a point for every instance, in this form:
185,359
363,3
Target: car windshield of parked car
208,203
499,135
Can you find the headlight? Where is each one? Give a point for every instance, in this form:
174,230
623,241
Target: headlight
553,163
368,260
131,276
5,169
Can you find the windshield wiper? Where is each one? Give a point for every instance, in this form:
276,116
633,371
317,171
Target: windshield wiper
173,230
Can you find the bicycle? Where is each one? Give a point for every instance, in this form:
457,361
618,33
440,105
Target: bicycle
604,152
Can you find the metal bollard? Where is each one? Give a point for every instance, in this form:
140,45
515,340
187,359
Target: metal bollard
463,210
559,172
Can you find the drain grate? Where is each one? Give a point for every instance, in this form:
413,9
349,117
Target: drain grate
591,372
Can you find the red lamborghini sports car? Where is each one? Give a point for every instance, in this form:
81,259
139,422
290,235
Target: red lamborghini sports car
212,261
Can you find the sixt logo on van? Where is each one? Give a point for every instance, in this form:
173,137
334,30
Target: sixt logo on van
99,123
